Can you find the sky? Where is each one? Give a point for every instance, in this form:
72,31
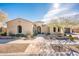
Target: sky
29,11
39,11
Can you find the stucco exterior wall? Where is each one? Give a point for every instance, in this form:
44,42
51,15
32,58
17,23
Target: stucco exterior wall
52,30
12,26
44,28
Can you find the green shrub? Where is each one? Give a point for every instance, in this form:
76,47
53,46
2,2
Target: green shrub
34,34
20,35
3,33
65,34
10,34
71,38
47,33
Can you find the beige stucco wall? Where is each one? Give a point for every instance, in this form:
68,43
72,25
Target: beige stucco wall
27,27
62,28
44,27
52,30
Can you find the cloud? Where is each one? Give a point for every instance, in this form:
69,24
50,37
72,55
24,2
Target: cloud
52,14
57,10
69,14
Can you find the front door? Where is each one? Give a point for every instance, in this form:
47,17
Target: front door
19,29
39,30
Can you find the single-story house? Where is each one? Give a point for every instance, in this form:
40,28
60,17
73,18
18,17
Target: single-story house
23,26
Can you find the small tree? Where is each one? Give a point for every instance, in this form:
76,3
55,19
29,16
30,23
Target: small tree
3,16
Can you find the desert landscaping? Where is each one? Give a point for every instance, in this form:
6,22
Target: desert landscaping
40,46
39,29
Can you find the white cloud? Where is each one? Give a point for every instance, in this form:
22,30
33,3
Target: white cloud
52,14
56,11
69,14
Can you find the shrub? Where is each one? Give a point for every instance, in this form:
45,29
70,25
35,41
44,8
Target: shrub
10,34
3,33
65,34
34,34
47,33
20,35
71,38
42,33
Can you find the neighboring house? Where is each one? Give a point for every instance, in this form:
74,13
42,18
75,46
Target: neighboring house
75,29
2,28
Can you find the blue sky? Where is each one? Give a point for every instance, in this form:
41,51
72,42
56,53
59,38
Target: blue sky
38,11
28,11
